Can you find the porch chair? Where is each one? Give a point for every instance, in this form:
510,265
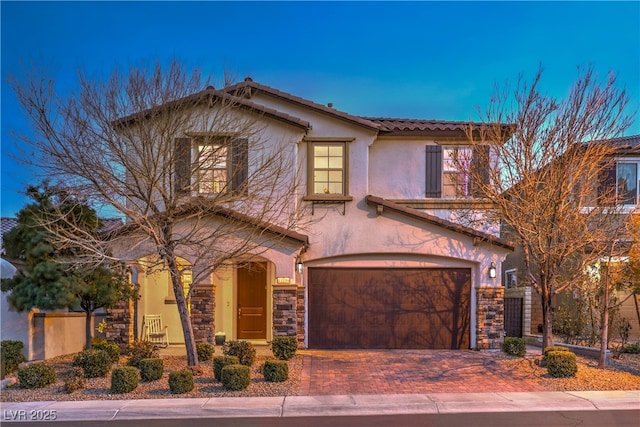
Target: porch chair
155,332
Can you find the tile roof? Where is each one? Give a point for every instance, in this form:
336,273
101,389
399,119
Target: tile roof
432,219
624,143
210,94
203,207
393,124
247,87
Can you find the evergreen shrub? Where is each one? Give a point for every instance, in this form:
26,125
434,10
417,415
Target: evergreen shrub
284,347
151,369
275,370
235,377
220,362
514,346
124,379
181,381
561,364
94,363
37,375
243,350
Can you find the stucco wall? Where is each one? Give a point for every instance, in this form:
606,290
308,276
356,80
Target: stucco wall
56,334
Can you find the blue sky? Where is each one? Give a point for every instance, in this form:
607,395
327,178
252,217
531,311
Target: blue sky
427,60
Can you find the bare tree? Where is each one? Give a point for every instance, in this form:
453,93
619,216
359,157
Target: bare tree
189,168
541,180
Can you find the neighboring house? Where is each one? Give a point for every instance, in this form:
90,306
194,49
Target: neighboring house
523,310
386,262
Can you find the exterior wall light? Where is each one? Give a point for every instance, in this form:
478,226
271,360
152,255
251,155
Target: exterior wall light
299,265
492,270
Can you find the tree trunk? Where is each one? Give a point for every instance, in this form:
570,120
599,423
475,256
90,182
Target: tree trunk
183,311
547,323
604,332
87,329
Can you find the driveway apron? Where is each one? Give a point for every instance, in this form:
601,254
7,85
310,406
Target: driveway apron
335,372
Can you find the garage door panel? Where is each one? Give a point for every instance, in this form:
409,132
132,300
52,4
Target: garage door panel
389,308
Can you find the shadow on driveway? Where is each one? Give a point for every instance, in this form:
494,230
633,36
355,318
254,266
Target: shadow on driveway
335,372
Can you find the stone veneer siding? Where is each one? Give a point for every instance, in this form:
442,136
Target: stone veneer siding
490,319
300,312
202,309
120,323
285,303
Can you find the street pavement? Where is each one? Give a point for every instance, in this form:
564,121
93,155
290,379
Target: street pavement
611,408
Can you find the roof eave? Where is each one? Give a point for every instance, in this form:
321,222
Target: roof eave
478,236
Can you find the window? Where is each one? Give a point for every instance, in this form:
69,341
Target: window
212,170
448,170
328,167
511,278
456,166
620,182
211,165
627,179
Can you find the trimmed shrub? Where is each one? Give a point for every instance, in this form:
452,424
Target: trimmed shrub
112,349
75,381
139,350
284,347
561,364
180,381
151,369
235,377
514,346
205,351
36,376
220,362
124,379
555,348
11,356
243,350
550,349
275,370
94,363
632,348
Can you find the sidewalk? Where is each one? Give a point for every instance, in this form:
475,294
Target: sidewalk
317,406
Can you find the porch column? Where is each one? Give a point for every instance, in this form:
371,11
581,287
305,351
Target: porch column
285,307
490,318
202,308
120,323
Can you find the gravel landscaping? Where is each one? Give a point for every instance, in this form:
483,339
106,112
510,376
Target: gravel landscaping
205,384
622,374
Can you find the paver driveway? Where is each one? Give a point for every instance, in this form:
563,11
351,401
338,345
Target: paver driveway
326,372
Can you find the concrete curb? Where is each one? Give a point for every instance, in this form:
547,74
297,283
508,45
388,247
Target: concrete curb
313,406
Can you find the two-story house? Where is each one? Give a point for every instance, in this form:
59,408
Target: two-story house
384,261
621,179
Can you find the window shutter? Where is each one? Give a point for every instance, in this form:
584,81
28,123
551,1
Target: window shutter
607,185
480,166
434,171
182,165
239,165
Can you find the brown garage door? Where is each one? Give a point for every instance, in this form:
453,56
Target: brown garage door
389,308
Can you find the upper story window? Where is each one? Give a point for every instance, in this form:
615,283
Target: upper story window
327,169
448,170
455,172
213,173
211,165
621,183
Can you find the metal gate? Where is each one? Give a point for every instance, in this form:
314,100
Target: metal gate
513,317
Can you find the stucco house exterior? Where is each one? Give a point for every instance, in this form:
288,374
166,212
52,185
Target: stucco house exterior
385,260
523,311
